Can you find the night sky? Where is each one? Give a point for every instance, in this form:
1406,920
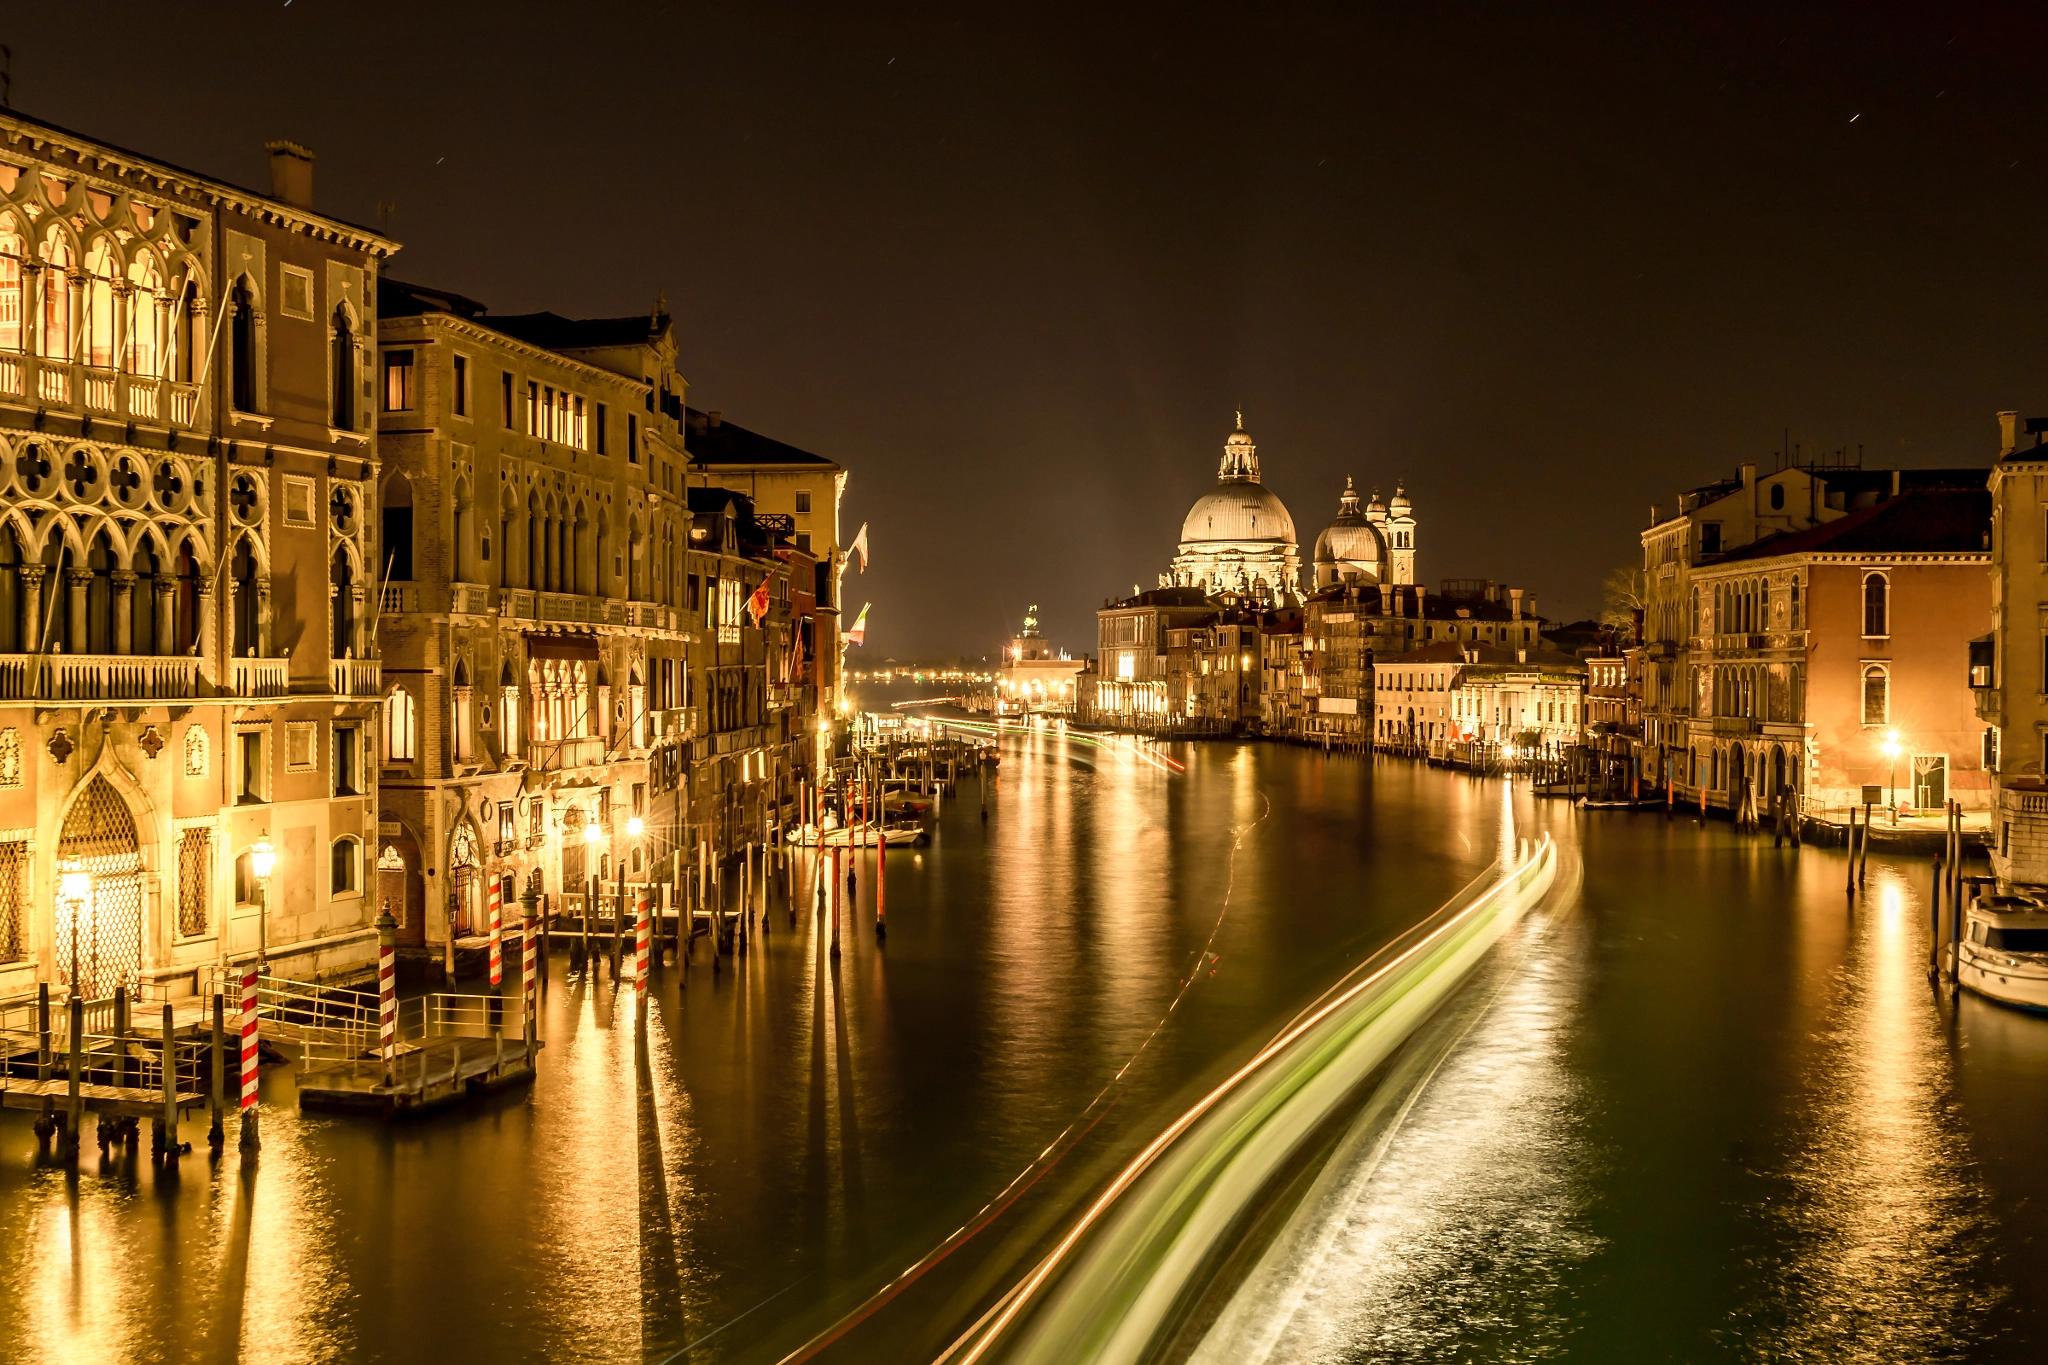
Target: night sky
1015,267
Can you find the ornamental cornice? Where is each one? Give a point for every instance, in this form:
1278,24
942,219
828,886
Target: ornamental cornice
127,168
476,331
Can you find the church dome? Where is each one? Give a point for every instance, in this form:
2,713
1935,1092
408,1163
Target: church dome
1350,538
1237,511
1399,505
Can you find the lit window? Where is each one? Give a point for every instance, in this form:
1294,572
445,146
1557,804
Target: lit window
399,734
397,381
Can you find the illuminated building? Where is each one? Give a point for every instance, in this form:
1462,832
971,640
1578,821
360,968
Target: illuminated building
1035,678
189,525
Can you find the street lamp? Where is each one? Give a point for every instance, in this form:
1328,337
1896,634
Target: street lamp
74,888
263,862
1891,753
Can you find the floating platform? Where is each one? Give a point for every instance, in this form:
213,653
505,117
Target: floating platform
427,1074
124,1101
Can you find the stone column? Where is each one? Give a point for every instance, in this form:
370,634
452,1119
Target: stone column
32,607
78,580
361,639
208,627
263,615
166,588
124,611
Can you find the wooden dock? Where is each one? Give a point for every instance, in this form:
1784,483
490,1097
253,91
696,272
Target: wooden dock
121,1101
426,1074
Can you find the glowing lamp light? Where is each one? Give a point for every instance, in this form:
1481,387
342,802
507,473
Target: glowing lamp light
262,859
591,833
634,826
74,882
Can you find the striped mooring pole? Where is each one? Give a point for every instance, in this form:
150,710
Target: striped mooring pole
250,1141
530,964
497,905
387,990
643,930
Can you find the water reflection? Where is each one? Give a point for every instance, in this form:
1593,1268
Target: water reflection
1716,1113
1884,1219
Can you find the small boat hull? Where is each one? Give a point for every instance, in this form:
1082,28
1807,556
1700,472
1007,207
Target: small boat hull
897,836
2010,978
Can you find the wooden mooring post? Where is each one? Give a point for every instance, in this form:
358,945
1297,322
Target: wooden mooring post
74,1101
217,1131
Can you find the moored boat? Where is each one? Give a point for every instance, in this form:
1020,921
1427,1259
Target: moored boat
2004,952
858,836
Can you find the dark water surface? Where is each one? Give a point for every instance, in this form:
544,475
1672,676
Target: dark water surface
1701,1106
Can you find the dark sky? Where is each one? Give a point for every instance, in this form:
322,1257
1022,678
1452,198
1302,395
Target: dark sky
1015,266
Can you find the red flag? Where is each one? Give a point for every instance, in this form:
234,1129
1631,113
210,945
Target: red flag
757,605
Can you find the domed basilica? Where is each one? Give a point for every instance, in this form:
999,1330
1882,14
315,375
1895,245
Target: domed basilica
1239,541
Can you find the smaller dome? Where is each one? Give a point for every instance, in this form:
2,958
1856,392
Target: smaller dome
1399,505
1351,539
1377,507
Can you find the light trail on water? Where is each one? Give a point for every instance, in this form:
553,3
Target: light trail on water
1107,1296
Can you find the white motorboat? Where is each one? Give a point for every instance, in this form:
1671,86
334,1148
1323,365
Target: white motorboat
858,836
2004,952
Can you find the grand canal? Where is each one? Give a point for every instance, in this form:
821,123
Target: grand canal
1698,1104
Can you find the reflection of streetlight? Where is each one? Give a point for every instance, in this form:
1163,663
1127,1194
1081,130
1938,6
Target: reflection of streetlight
74,887
1891,753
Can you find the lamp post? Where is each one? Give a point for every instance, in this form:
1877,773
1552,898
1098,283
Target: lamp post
1891,753
74,888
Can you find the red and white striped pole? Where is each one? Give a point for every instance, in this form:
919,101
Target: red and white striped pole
643,931
497,904
387,990
531,963
250,1141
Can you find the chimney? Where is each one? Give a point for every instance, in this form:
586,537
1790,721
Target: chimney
291,172
1748,475
1895,483
715,419
2008,432
1515,603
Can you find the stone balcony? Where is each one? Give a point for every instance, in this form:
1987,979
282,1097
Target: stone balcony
98,393
356,677
62,678
556,755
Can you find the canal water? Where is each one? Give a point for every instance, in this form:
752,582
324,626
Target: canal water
1700,1105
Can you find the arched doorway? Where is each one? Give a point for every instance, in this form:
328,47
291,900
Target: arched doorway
99,937
1737,776
400,887
462,880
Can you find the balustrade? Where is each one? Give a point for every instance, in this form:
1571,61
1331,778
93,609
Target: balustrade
98,677
259,677
357,677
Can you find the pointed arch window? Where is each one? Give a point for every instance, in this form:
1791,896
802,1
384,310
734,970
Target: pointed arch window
344,406
242,345
12,331
56,295
401,738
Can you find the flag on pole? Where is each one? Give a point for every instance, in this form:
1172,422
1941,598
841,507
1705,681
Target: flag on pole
860,547
757,605
859,633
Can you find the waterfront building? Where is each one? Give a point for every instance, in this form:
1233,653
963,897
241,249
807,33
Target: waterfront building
1826,661
187,662
2009,665
1131,650
564,616
1529,698
1035,677
1717,519
782,481
1212,671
